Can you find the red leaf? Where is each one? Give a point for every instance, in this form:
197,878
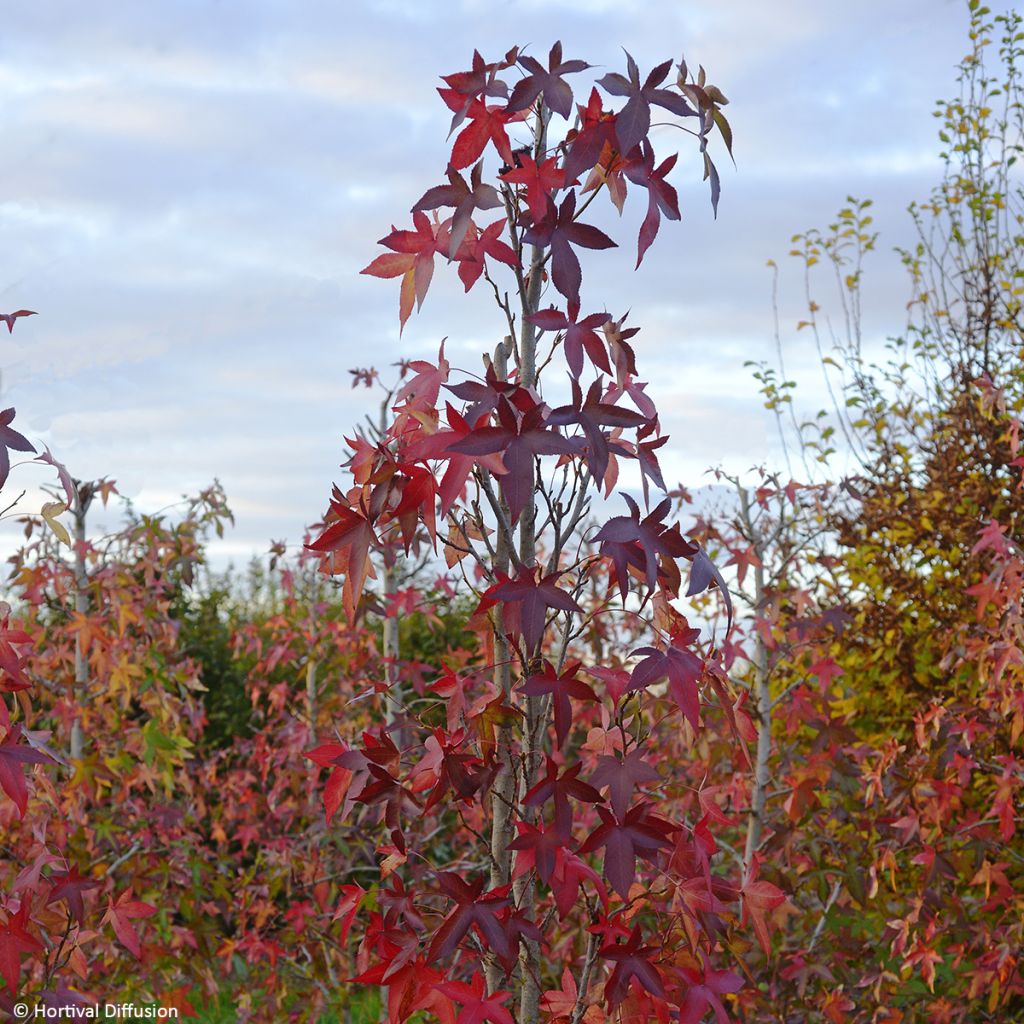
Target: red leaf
15,940
69,887
632,963
9,318
639,834
12,778
561,686
477,1006
120,915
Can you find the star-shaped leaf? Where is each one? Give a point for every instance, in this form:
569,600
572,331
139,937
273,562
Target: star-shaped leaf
529,597
681,667
641,543
622,777
477,1005
119,916
580,335
632,962
633,122
560,231
15,940
69,887
474,910
546,82
661,196
519,440
487,123
345,545
13,755
562,686
411,259
541,181
591,414
558,787
465,198
639,834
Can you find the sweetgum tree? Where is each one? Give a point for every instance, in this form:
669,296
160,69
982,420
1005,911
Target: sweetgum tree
535,861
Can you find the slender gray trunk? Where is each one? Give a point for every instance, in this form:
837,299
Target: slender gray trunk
761,692
82,499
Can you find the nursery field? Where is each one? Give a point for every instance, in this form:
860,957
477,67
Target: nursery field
524,731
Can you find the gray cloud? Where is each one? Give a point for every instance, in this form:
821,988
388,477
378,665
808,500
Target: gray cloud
189,191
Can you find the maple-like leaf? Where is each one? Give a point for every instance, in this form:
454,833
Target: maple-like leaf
477,1005
640,834
15,940
570,874
650,470
69,886
681,667
492,716
639,543
560,231
452,686
348,771
424,387
538,848
561,686
437,446
547,82
530,597
416,504
10,438
474,909
480,81
760,898
488,395
412,259
616,680
560,1002
13,755
558,787
702,990
411,984
464,198
632,962
348,906
446,766
541,181
479,244
744,557
590,415
633,122
345,544
622,777
580,335
120,914
487,123
519,440
383,788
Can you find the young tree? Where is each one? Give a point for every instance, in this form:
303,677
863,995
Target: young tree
895,771
535,863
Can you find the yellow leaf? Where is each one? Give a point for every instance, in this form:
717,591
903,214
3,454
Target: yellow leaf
49,512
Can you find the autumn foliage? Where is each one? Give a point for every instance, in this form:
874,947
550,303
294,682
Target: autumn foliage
521,733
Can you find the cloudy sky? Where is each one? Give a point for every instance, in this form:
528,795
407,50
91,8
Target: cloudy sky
188,191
